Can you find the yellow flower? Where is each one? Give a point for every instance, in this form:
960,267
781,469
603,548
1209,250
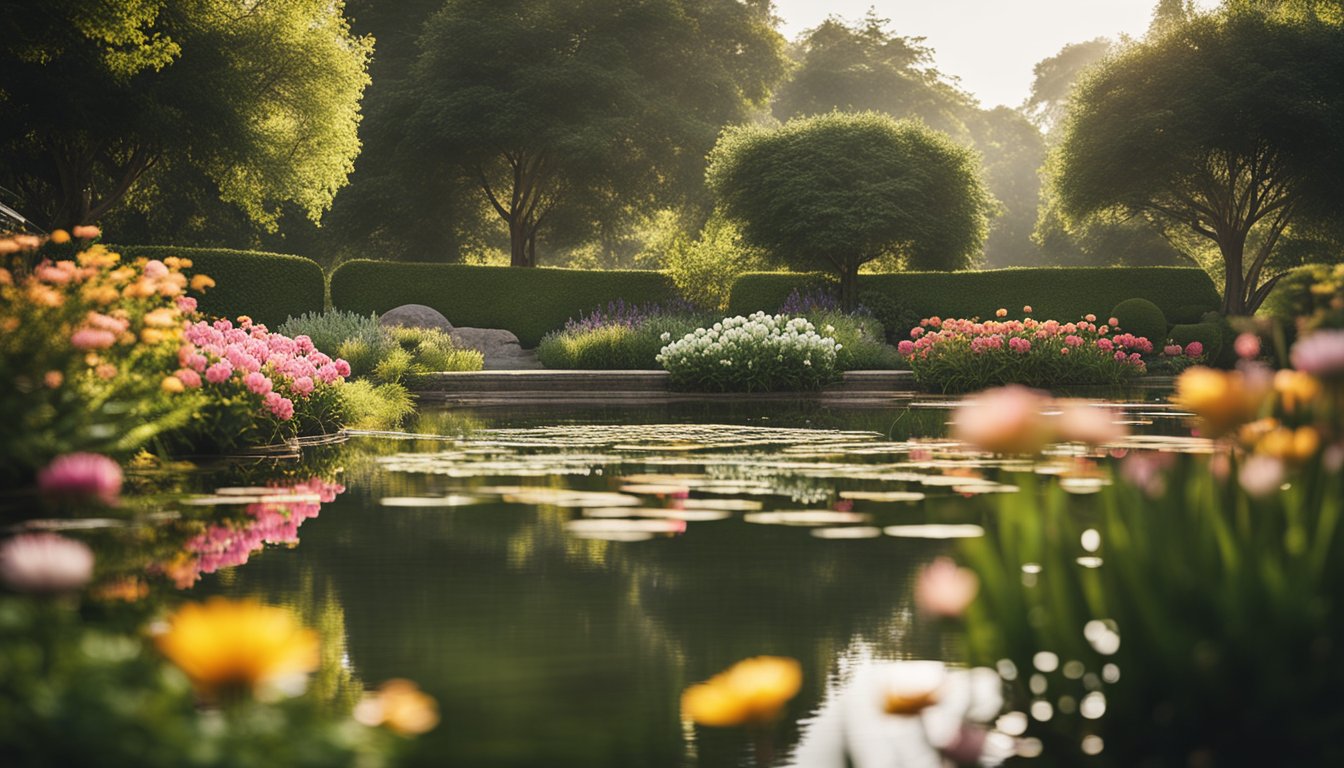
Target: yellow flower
225,645
1296,388
752,691
171,384
201,282
59,237
401,706
1221,400
97,256
163,317
1291,445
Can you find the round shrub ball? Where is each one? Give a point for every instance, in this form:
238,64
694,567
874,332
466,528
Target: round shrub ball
1207,334
1188,314
1142,317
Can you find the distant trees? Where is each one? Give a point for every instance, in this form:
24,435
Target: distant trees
98,100
1228,128
837,191
567,112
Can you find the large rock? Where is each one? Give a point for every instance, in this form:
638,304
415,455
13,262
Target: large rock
501,348
416,316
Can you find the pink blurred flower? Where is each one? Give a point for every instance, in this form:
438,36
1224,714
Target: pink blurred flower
1320,354
189,378
1000,312
86,232
155,268
1084,422
1019,345
1027,309
1194,349
1261,475
1247,346
92,338
1091,318
906,347
1003,420
944,589
83,476
1173,350
44,563
1105,344
186,303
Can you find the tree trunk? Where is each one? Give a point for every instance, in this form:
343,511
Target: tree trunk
1233,249
518,239
849,287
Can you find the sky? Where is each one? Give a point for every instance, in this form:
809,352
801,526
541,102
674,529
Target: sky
990,46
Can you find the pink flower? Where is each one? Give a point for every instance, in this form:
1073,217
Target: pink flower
303,386
1120,355
1320,354
155,269
906,348
1091,318
187,304
257,383
1073,341
281,407
1027,309
92,338
943,589
1003,420
1083,422
1019,345
342,368
219,372
1172,350
86,232
1261,475
1247,346
1194,349
1064,351
1000,312
44,563
82,475
1105,345
916,332
189,378
1112,322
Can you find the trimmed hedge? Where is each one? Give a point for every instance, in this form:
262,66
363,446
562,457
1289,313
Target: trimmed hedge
529,302
268,287
1060,293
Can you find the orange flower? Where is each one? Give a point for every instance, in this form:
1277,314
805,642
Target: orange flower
53,379
401,706
59,237
1221,400
87,232
230,645
172,385
201,282
751,692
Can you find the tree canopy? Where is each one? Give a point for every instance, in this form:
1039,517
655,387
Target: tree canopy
1228,128
839,190
563,113
96,98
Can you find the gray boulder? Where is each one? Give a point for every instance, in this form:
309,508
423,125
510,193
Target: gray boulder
415,316
501,348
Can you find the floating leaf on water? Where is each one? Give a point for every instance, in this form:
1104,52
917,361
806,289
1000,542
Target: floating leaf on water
1082,485
1089,562
948,481
253,491
431,502
218,501
882,495
978,488
654,489
590,525
725,505
806,517
622,536
559,497
934,531
648,479
848,532
617,512
82,524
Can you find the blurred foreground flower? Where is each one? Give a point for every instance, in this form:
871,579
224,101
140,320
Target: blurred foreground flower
1014,419
1320,354
228,646
401,706
44,563
81,476
1220,400
944,589
751,692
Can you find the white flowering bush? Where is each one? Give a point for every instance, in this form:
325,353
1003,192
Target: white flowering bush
751,354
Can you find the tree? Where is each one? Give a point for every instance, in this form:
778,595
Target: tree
261,97
1054,77
865,67
566,110
841,190
1229,128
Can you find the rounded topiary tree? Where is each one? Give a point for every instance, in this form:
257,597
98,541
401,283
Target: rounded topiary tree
1142,317
837,191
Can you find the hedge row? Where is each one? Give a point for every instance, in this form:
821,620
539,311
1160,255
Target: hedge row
1062,293
268,287
528,302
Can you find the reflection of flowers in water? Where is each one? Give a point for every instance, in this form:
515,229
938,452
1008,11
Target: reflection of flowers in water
228,544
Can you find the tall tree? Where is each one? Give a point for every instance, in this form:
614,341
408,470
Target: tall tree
841,190
1053,79
261,98
552,105
1229,128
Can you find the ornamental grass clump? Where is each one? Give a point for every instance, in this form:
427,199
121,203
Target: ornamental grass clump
618,337
759,353
961,355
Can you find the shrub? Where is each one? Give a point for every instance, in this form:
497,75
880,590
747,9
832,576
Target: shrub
1141,317
376,407
1054,291
703,270
332,328
432,351
267,287
620,337
1188,313
863,345
86,349
1208,335
955,355
896,319
528,302
752,354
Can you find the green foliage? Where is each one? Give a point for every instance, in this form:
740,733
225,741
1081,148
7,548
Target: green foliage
1228,129
862,340
97,99
840,190
1141,317
330,329
703,270
376,406
1060,293
430,351
267,287
1210,335
565,114
761,353
528,302
1054,78
896,320
1186,314
614,347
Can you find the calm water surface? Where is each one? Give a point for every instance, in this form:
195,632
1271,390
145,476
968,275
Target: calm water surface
546,646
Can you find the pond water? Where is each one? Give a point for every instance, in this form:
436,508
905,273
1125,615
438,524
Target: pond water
555,579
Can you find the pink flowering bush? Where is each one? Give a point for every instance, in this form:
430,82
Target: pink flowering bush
262,387
961,355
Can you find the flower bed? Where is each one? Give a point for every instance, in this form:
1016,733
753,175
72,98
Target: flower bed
961,355
620,336
759,353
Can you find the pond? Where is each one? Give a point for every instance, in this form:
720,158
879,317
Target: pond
555,579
